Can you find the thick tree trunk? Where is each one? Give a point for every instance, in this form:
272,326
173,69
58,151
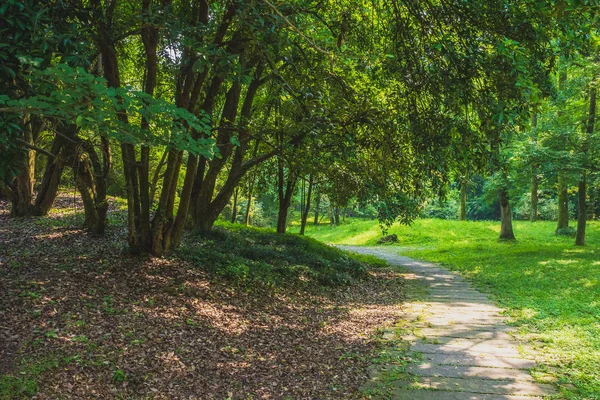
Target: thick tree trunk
563,203
463,199
22,205
337,215
506,229
307,205
534,194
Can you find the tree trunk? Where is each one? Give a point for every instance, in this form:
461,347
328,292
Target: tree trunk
51,179
285,188
162,218
582,207
166,228
581,212
209,206
534,194
563,203
337,215
22,189
249,203
307,206
317,204
506,230
84,180
284,206
156,176
563,195
133,197
204,218
150,39
463,199
331,215
91,175
234,209
533,212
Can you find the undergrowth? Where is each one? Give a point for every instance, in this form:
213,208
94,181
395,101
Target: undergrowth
248,256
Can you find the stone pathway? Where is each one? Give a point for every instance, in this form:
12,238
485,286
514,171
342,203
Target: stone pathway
458,344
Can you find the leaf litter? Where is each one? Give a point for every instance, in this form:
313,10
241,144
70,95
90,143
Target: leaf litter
81,318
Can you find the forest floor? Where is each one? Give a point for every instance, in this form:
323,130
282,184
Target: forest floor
549,288
80,318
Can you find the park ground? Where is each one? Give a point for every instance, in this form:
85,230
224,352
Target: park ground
243,314
549,287
80,317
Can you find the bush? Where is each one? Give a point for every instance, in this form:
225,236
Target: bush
568,231
249,255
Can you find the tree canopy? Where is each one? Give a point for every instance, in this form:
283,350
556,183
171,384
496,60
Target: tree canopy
178,105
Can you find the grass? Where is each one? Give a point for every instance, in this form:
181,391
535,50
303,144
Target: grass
549,287
25,383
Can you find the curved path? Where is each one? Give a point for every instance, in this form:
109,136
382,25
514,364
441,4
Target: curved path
463,348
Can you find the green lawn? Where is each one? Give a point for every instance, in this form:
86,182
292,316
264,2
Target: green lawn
549,287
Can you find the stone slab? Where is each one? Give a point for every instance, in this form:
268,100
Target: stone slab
455,371
454,310
448,333
481,360
453,318
476,298
466,349
449,319
461,341
406,394
475,385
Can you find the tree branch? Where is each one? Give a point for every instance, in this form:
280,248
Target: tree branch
35,148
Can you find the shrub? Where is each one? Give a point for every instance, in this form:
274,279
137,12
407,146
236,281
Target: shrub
248,255
568,231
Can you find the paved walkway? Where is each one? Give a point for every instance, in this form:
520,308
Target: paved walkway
464,349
